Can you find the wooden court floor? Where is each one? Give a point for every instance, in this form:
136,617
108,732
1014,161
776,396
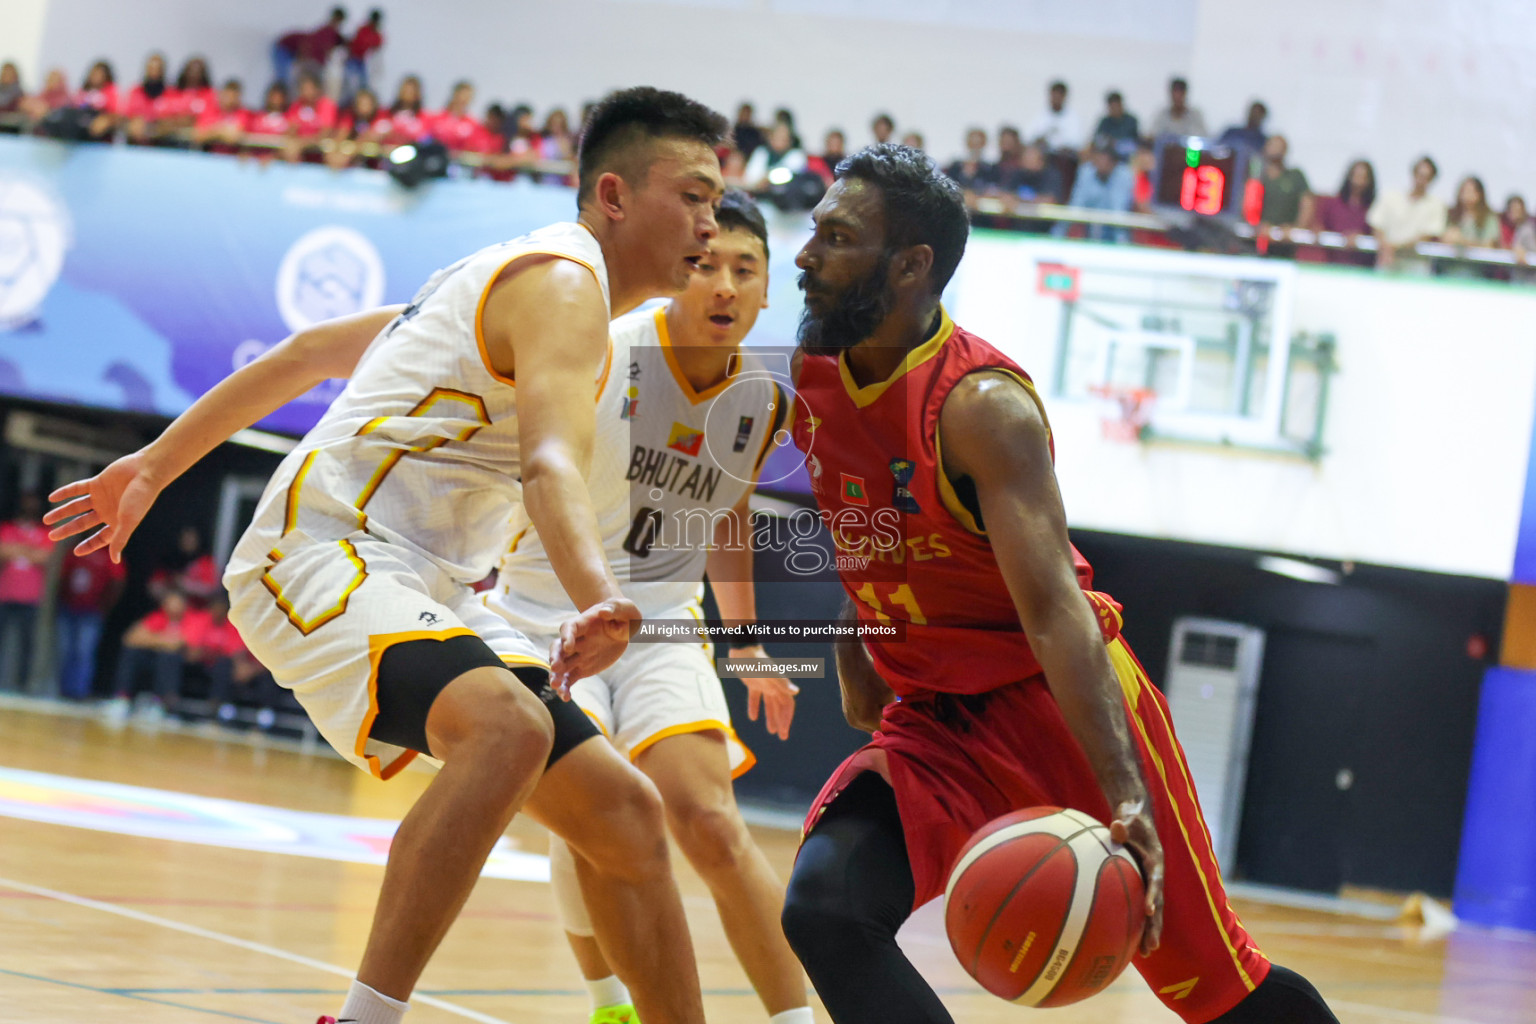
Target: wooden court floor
99,926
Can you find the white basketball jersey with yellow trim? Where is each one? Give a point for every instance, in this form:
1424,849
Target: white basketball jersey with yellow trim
421,448
666,462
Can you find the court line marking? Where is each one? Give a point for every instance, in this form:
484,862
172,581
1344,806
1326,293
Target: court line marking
231,940
133,995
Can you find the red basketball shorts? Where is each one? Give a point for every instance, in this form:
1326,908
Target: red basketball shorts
956,765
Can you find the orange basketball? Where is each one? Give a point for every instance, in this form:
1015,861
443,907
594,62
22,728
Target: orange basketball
1042,909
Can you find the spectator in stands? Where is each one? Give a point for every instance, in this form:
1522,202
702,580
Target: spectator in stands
365,42
221,129
312,116
454,126
153,106
1178,118
786,117
1103,183
1010,157
913,139
834,147
1520,237
188,570
556,141
234,676
1287,196
1472,221
90,585
406,122
1118,127
154,644
99,94
1346,212
972,172
11,92
779,155
54,96
1035,180
272,124
1515,219
297,52
195,85
24,553
882,127
354,127
1057,127
1250,134
745,132
1402,220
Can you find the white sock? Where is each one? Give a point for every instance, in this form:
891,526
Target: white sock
366,1006
799,1015
609,991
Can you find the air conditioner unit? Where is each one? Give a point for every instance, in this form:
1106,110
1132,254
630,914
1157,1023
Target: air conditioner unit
1212,687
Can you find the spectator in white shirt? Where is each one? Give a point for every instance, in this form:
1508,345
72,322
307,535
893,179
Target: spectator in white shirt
1402,220
1057,128
780,153
1178,118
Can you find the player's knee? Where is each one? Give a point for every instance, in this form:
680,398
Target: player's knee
815,918
494,720
629,840
711,834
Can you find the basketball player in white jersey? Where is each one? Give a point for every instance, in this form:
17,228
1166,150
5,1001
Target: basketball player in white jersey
352,583
685,422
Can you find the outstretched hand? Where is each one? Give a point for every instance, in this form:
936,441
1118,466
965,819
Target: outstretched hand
1133,829
115,500
773,695
590,642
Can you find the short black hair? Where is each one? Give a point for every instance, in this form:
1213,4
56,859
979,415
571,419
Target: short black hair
923,206
882,116
1178,83
1058,84
738,212
1434,169
1114,97
637,114
338,14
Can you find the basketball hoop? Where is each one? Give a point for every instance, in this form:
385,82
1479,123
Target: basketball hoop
1128,411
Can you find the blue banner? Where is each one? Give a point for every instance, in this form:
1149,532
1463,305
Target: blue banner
136,279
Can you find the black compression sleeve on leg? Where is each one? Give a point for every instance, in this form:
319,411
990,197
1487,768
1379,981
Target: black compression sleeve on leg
1284,997
850,890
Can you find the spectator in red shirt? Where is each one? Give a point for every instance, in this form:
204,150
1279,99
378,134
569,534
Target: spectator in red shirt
155,644
195,85
234,676
189,571
24,553
356,126
1345,213
404,122
454,126
365,42
307,51
99,93
221,127
88,589
313,113
153,106
271,123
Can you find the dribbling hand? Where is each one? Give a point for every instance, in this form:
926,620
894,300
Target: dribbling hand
1133,829
590,642
116,500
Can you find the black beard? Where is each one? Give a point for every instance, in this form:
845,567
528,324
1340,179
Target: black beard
853,316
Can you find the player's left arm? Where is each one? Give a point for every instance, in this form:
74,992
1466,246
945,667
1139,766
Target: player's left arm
995,434
729,568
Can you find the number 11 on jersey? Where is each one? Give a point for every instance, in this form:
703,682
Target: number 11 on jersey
901,596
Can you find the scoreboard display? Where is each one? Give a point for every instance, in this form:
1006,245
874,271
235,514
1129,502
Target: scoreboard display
1197,178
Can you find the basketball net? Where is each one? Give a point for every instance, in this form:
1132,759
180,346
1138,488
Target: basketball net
1127,411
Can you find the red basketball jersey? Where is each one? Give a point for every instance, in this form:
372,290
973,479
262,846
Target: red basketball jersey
907,547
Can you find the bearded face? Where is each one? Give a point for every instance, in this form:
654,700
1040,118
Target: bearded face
834,321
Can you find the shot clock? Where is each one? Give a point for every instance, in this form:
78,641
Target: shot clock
1196,179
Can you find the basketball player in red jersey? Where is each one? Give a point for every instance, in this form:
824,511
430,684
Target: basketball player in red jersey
1011,687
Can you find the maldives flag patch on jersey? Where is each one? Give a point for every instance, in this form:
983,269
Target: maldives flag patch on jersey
854,492
685,439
